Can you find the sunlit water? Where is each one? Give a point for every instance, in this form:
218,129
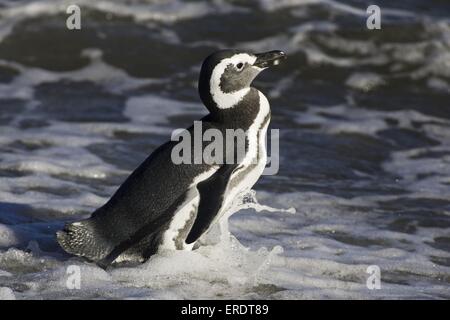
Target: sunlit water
364,119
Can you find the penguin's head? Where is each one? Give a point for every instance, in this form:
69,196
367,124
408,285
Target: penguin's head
226,76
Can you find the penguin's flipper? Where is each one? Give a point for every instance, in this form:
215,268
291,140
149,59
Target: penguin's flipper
211,192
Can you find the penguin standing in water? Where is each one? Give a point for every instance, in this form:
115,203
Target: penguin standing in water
163,205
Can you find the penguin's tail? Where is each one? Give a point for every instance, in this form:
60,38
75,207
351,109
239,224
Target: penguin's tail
80,239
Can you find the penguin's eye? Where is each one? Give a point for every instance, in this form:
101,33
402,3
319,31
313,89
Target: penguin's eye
239,66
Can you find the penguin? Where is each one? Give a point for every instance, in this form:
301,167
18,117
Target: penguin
168,206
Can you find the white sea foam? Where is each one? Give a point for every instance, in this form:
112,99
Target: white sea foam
140,11
300,264
357,120
364,81
6,294
156,111
111,78
271,5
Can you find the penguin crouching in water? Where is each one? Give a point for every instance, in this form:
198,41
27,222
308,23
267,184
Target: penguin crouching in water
163,205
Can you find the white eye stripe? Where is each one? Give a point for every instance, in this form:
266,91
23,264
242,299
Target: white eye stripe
222,99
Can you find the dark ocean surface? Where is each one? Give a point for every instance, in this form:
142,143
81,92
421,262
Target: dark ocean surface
364,119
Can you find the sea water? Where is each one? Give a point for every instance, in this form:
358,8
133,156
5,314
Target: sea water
364,119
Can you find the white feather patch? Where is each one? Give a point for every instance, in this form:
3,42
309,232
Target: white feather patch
226,100
182,214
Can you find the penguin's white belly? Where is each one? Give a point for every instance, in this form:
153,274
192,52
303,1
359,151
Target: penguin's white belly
184,217
248,174
255,160
181,222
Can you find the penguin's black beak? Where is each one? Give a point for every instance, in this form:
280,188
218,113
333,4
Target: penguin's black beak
268,59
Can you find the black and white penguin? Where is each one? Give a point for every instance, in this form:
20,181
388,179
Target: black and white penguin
163,205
